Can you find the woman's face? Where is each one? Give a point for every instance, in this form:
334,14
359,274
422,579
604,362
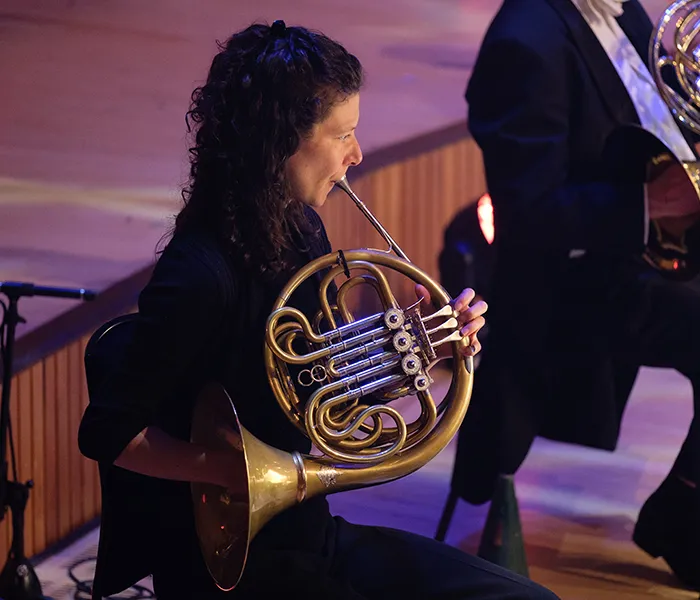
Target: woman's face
324,157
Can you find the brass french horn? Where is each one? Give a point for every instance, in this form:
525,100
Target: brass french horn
683,56
357,367
673,255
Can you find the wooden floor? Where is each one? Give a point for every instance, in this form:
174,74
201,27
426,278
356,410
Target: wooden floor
578,506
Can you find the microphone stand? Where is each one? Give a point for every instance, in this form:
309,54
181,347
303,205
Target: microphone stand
18,580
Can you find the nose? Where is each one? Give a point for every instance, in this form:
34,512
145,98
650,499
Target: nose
355,155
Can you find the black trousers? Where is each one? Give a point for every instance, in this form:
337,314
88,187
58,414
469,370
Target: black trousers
624,309
360,563
657,324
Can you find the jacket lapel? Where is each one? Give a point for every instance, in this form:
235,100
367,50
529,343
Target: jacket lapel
610,86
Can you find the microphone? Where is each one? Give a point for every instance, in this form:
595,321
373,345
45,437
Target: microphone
16,289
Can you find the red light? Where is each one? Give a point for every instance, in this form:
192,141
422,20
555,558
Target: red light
484,210
675,265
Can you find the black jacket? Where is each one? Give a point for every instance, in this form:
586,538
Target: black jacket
201,317
546,106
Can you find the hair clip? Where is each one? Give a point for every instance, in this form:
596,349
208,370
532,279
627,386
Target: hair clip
278,28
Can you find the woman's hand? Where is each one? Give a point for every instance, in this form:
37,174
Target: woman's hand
470,319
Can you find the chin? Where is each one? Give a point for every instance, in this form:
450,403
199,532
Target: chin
317,201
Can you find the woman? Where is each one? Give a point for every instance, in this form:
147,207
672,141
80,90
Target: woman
275,130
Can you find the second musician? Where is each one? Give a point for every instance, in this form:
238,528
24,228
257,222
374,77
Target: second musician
553,83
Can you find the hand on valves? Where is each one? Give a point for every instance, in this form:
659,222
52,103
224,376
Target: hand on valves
470,319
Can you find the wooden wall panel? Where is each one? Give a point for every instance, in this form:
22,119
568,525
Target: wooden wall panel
47,401
414,200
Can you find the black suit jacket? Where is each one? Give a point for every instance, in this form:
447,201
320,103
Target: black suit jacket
201,318
545,103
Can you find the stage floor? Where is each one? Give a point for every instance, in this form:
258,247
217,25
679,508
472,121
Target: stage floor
578,506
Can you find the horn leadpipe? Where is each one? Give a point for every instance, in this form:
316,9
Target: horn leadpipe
345,186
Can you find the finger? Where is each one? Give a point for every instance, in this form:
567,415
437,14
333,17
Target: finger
473,327
473,312
422,293
473,348
462,301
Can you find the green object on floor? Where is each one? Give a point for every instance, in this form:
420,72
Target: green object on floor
502,538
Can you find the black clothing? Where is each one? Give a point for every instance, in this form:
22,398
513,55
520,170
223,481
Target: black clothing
360,562
201,317
570,224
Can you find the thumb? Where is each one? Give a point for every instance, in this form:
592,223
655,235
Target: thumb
422,293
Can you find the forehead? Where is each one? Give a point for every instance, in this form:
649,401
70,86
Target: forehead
343,115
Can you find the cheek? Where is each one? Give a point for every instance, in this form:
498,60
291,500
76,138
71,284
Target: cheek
327,166
337,160
298,171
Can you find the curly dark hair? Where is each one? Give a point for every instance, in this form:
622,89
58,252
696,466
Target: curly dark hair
266,89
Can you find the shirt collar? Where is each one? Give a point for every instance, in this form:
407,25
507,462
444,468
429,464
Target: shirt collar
595,10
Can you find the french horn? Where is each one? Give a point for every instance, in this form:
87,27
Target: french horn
679,25
355,368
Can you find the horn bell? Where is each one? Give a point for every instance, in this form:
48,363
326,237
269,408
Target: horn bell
226,522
